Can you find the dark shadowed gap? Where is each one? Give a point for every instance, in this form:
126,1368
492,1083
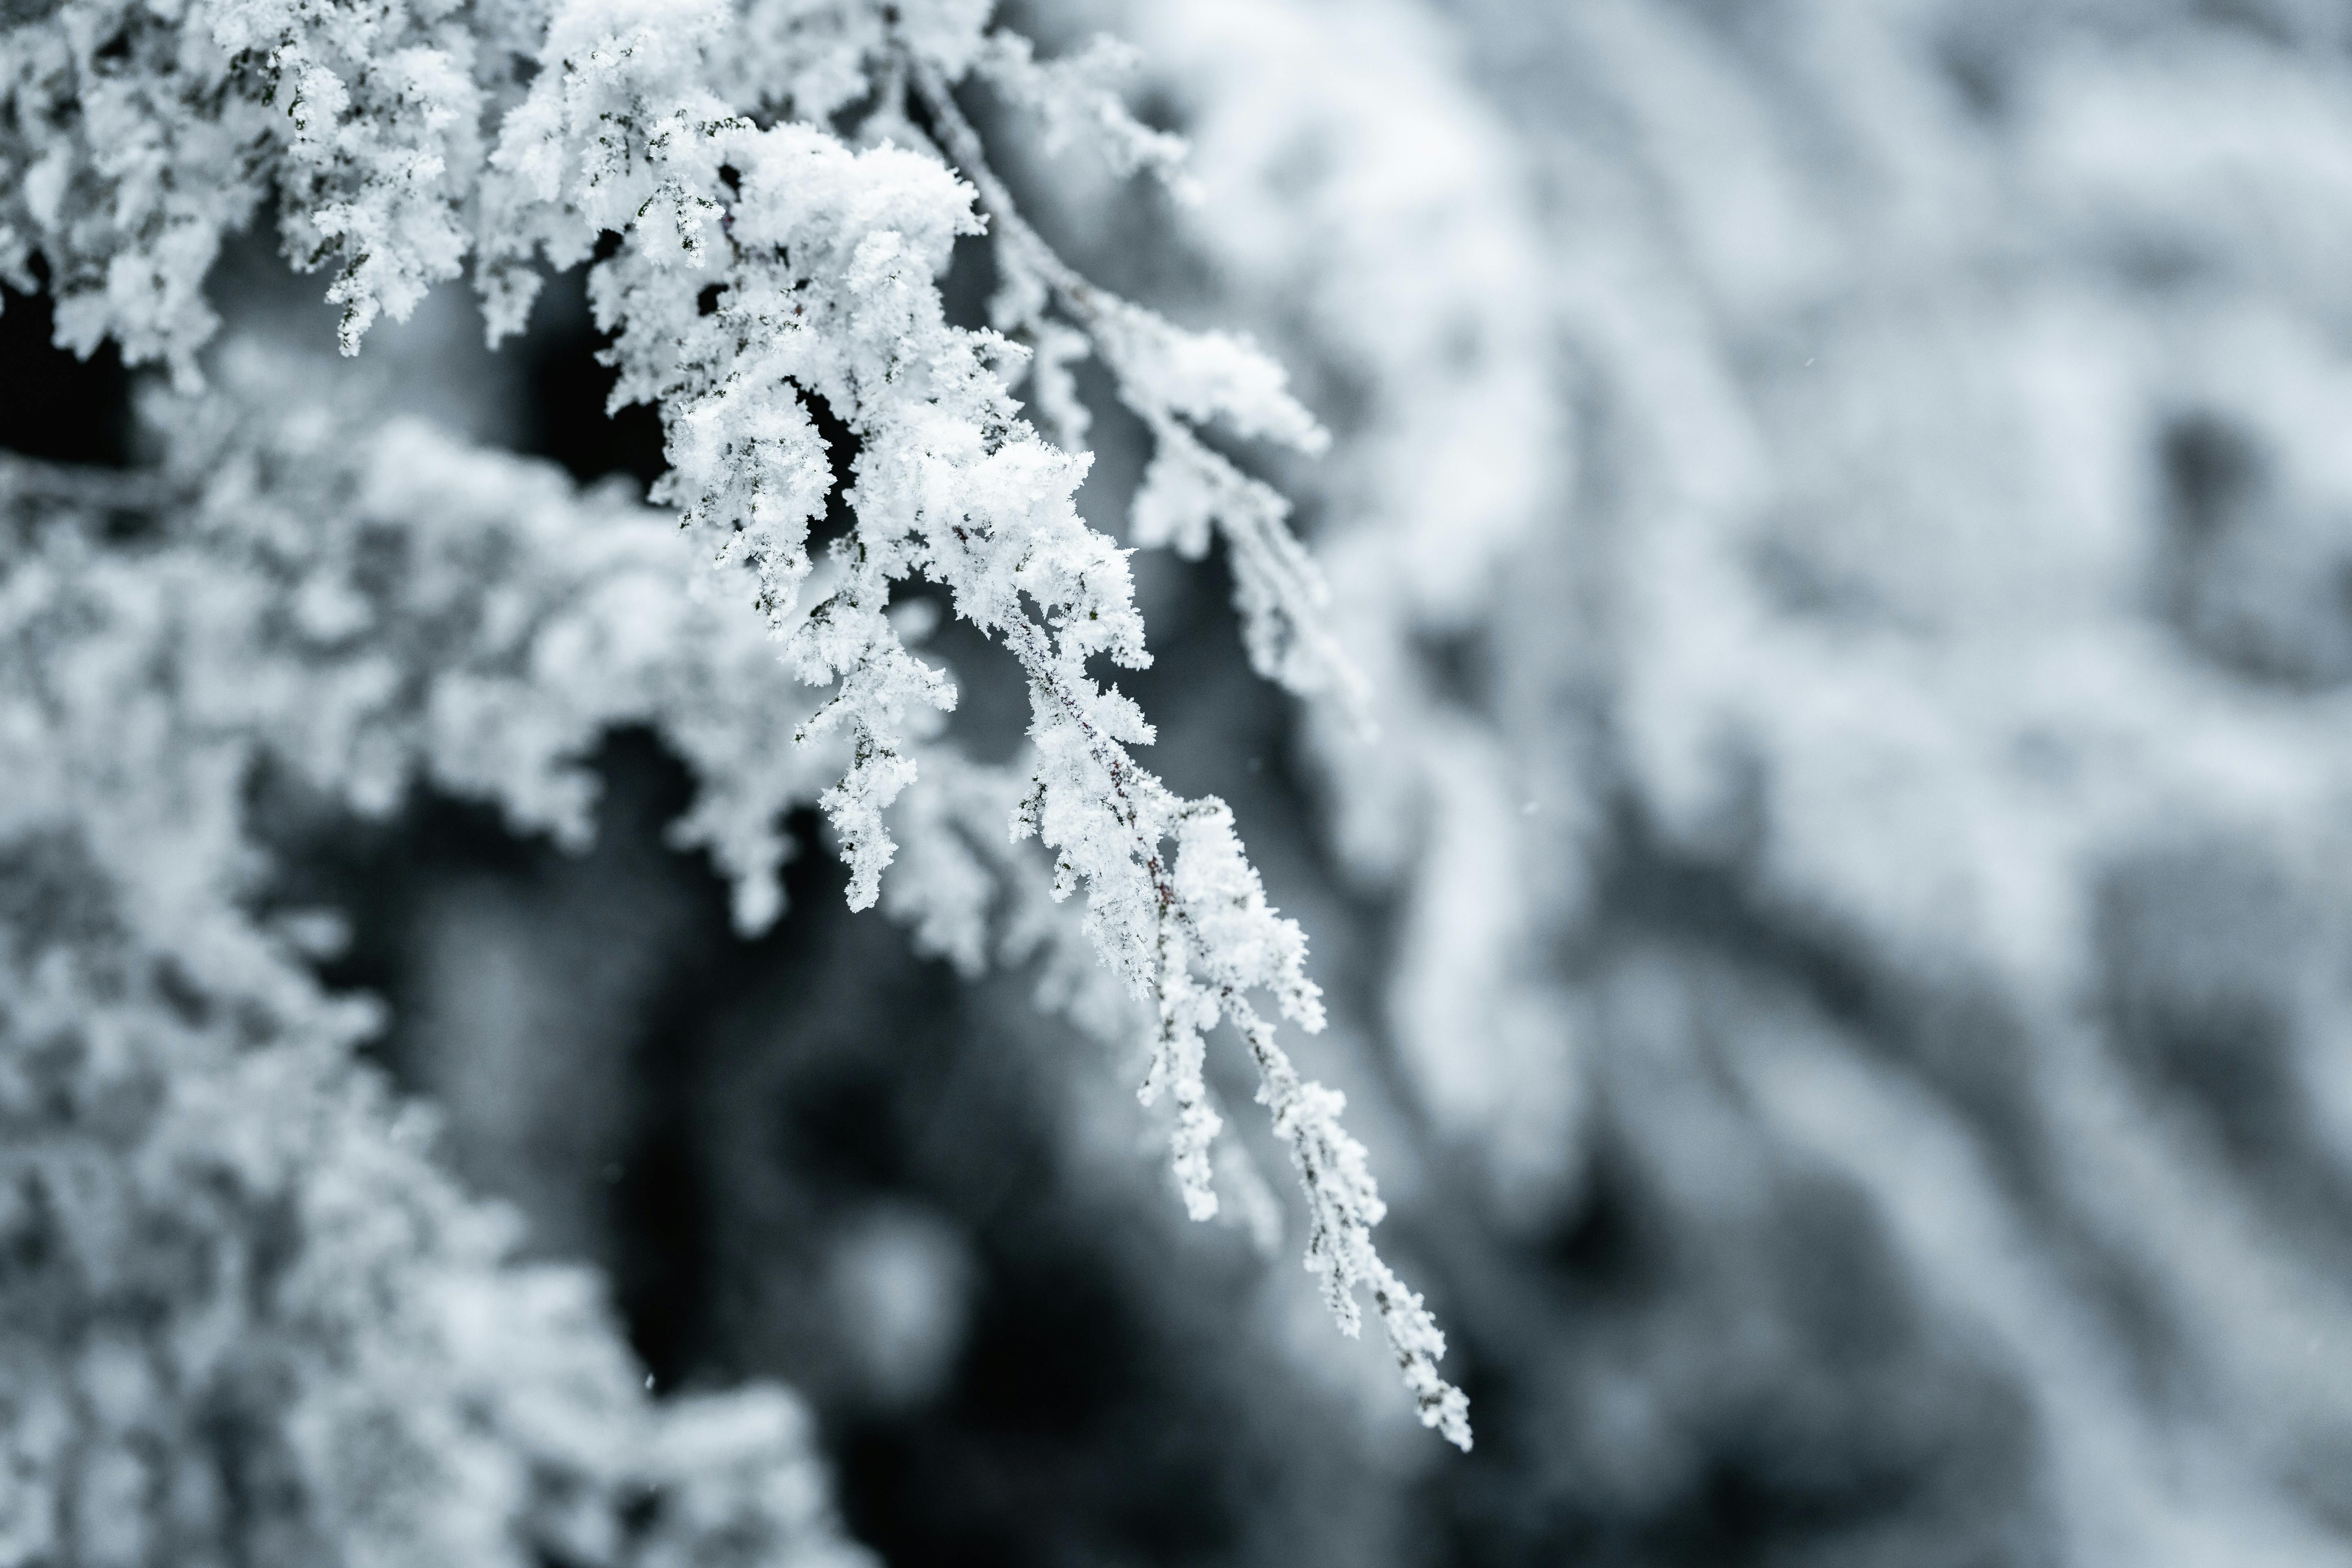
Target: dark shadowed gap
52,405
566,418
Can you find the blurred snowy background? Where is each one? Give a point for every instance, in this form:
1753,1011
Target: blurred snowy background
1840,944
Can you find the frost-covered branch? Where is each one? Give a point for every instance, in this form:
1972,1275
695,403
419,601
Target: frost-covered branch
1175,382
754,272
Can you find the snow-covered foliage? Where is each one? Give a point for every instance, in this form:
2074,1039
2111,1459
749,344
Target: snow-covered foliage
1819,788
245,1318
295,597
1923,632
